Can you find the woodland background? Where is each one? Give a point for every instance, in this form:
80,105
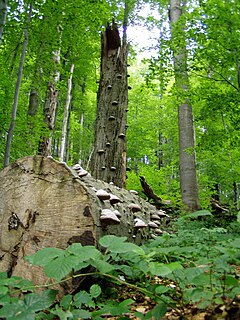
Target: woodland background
59,34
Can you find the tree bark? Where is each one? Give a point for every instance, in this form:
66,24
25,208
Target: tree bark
50,108
3,15
188,180
16,94
45,203
108,161
66,116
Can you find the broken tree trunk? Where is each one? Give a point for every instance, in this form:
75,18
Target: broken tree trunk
108,161
45,203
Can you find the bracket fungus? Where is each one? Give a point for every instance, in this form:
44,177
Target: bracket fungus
161,213
158,231
117,213
77,167
102,195
82,173
134,192
155,217
121,135
152,224
134,207
139,223
114,199
157,222
109,217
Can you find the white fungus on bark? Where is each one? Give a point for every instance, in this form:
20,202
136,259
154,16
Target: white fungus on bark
109,217
134,207
139,223
103,195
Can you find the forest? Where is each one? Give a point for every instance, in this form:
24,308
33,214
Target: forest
143,95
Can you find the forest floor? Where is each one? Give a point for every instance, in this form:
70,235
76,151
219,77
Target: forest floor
143,304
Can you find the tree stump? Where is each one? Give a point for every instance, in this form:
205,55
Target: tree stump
45,203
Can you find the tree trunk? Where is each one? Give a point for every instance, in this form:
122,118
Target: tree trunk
16,94
108,161
188,180
45,203
66,116
3,15
50,109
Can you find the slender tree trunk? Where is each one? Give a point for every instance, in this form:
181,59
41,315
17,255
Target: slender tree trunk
34,97
3,15
235,194
188,181
66,116
109,156
50,108
16,94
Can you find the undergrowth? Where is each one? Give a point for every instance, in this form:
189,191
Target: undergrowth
195,266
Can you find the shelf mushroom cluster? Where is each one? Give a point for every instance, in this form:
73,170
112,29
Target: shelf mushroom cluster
112,216
153,224
80,171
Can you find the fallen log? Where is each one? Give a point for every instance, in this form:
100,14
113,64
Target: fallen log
45,203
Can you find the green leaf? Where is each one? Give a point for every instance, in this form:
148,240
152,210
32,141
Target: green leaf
25,310
193,294
230,281
60,267
95,290
17,311
108,241
3,290
158,311
122,307
201,280
66,300
118,245
84,253
81,314
62,314
162,289
196,214
102,266
44,256
3,275
159,269
82,298
37,302
238,217
174,266
235,243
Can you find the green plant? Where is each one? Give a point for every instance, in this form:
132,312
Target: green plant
194,266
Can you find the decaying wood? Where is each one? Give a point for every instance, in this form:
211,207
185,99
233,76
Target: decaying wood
149,192
108,162
45,203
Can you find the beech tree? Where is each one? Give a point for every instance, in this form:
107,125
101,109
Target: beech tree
17,88
188,180
3,14
66,116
